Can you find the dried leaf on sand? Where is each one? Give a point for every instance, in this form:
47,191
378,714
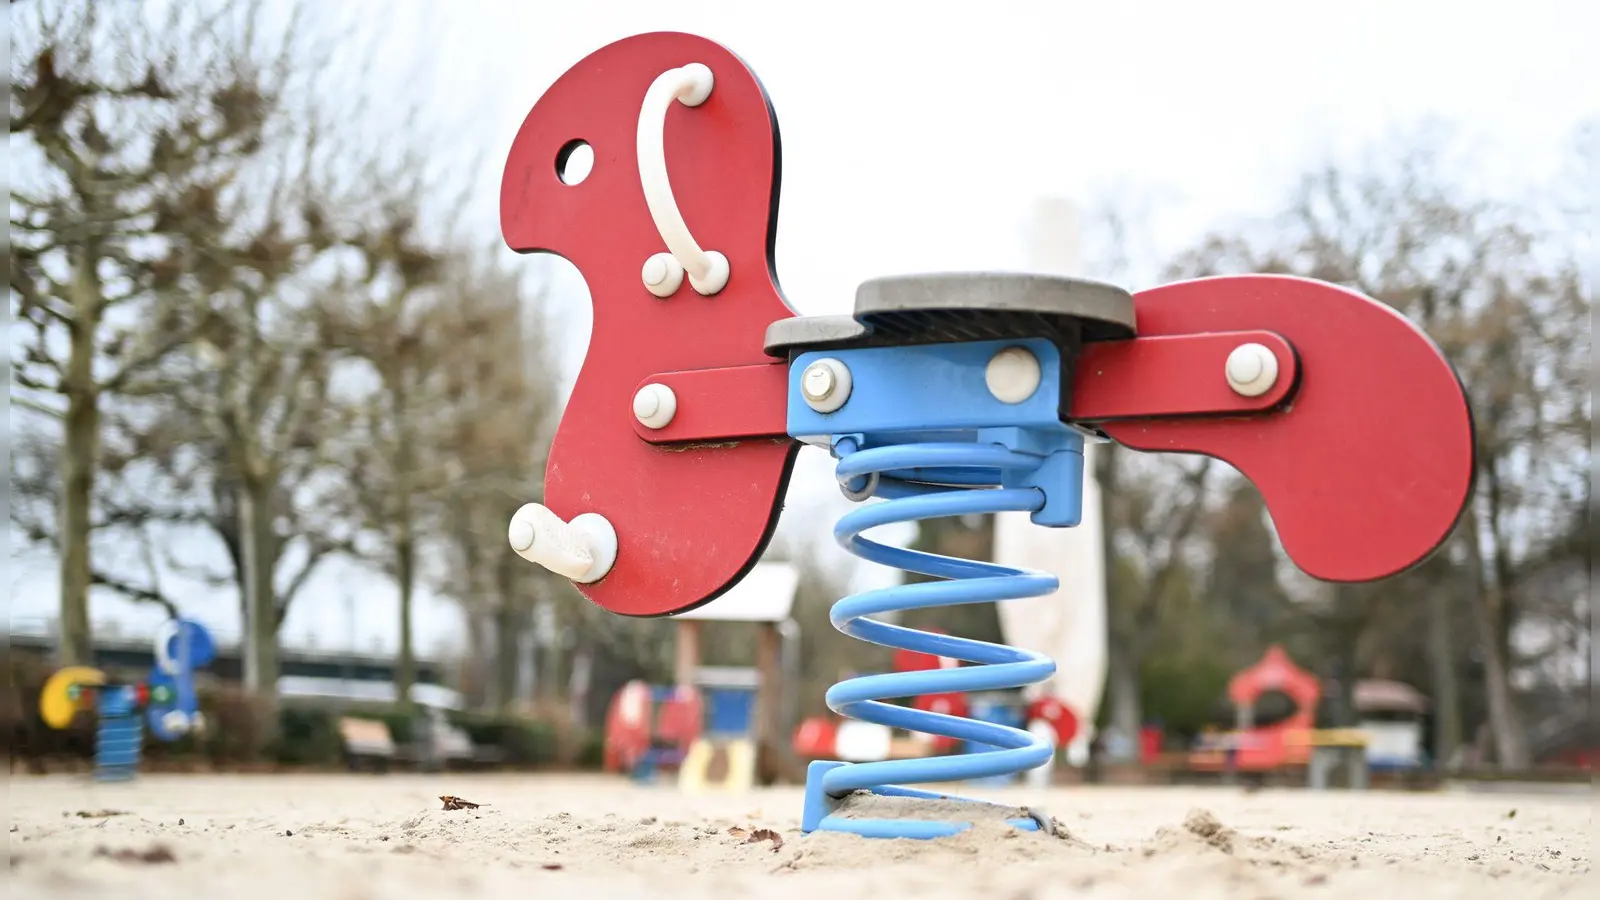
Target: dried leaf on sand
156,854
756,836
766,834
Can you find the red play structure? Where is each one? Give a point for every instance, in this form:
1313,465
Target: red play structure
650,728
1267,747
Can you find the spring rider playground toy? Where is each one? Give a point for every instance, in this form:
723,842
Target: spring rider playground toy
944,394
164,701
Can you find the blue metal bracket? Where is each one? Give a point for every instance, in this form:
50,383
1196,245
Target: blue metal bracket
937,393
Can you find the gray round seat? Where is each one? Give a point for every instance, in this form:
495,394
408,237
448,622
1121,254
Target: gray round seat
962,306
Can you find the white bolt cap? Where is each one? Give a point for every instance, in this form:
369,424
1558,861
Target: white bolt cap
825,385
1013,375
655,405
662,275
1252,370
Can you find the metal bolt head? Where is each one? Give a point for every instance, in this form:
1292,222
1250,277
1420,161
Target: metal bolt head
818,382
825,385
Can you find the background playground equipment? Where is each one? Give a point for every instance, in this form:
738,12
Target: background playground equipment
1386,734
944,395
164,701
650,728
717,726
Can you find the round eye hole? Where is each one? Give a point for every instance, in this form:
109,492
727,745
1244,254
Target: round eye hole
574,161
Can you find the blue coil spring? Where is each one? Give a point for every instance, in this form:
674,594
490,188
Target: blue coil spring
919,482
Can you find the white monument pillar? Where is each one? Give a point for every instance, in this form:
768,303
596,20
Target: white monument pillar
1070,624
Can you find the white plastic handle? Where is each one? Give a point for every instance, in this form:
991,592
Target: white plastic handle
583,550
707,270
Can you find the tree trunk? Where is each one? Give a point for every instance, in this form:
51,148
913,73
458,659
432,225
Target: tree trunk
405,672
80,448
1510,742
80,453
1108,475
507,658
1127,711
1446,689
508,647
261,620
474,667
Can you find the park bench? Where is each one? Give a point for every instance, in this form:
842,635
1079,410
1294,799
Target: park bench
366,743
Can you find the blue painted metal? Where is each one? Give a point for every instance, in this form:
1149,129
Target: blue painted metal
922,431
935,392
728,711
119,741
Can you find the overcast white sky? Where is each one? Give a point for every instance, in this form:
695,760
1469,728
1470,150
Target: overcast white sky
917,135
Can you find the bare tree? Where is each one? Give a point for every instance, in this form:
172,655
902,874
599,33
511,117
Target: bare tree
1152,510
398,422
1505,299
127,134
35,506
497,403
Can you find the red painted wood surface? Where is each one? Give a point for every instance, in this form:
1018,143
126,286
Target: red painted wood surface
1173,375
1366,472
722,404
689,521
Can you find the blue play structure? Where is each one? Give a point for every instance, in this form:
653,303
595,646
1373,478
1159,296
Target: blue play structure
119,740
730,711
165,702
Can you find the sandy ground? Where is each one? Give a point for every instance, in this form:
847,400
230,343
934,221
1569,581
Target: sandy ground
358,837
